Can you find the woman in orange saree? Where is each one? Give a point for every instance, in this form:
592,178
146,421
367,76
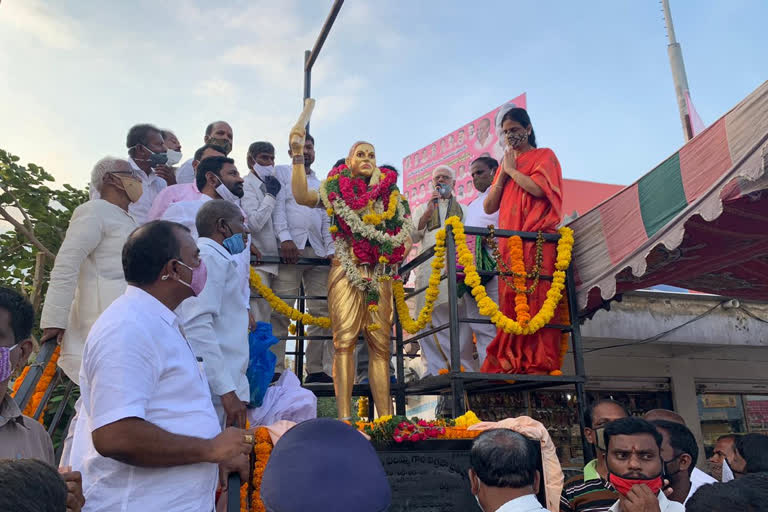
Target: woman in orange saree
527,192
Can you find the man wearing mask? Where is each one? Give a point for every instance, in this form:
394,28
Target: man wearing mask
698,477
218,133
679,452
590,490
183,191
725,450
303,232
217,178
174,154
148,158
147,437
482,170
215,322
261,192
635,467
430,218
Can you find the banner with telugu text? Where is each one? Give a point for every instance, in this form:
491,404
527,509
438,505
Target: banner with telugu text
457,150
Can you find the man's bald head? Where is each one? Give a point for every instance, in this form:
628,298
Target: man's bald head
664,415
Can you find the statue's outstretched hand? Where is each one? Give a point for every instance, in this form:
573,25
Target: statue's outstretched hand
299,130
296,140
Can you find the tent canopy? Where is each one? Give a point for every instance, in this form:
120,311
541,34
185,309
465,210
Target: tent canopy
699,220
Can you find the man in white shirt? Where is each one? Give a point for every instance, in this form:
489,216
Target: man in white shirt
635,467
217,178
697,476
147,436
503,472
261,192
216,321
429,218
303,233
482,170
218,133
148,157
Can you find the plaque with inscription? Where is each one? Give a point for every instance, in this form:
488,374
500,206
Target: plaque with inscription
431,476
428,476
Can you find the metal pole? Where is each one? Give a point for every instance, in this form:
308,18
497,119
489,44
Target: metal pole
578,358
400,367
457,384
300,330
323,34
678,72
307,79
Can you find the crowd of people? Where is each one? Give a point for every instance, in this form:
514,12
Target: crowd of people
150,300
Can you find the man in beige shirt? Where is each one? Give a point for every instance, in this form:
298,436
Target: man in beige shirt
21,437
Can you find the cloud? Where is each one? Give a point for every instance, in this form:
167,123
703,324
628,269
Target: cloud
32,17
216,88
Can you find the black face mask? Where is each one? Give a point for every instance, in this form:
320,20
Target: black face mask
667,472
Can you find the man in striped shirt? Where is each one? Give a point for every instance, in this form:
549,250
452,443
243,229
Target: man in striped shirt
590,490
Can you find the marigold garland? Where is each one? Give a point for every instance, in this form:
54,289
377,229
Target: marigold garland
42,385
524,325
363,407
284,309
262,449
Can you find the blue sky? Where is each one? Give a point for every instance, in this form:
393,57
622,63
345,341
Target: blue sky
76,75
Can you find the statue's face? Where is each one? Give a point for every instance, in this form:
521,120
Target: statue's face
363,160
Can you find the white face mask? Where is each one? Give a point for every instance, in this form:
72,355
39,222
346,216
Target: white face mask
174,156
263,170
727,472
227,194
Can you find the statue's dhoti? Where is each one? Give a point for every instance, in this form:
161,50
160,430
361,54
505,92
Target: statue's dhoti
349,315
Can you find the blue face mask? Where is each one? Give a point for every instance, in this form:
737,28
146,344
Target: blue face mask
235,244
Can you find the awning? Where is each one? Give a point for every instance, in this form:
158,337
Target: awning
699,220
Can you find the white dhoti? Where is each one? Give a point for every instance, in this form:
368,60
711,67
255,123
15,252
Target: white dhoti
483,332
436,348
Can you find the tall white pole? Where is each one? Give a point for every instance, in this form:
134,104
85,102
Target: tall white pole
678,72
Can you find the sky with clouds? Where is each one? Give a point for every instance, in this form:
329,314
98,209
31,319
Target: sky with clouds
401,73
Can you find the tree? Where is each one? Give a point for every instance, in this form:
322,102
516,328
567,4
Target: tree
38,216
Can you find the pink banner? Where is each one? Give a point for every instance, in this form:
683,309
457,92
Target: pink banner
457,149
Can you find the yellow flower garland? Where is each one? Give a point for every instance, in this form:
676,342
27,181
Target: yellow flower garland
425,316
374,219
284,309
486,306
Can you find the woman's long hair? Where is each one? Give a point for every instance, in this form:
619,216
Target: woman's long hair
521,116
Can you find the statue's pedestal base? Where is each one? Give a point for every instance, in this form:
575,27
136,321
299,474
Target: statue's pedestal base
428,476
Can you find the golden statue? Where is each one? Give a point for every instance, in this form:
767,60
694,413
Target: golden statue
363,201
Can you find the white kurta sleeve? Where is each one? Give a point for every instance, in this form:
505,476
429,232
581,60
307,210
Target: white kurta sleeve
84,234
199,314
417,234
258,210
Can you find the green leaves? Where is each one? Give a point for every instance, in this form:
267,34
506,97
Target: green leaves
33,217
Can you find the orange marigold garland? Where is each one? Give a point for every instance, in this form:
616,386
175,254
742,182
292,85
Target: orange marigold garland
42,385
262,449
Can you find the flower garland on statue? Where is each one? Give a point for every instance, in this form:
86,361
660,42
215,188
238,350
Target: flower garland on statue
42,385
376,238
524,325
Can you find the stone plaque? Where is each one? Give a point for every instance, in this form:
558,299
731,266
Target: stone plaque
428,476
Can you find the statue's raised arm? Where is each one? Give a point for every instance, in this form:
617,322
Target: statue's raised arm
301,193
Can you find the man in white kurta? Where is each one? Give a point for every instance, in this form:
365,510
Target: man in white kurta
429,218
88,273
482,170
147,437
218,179
216,321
